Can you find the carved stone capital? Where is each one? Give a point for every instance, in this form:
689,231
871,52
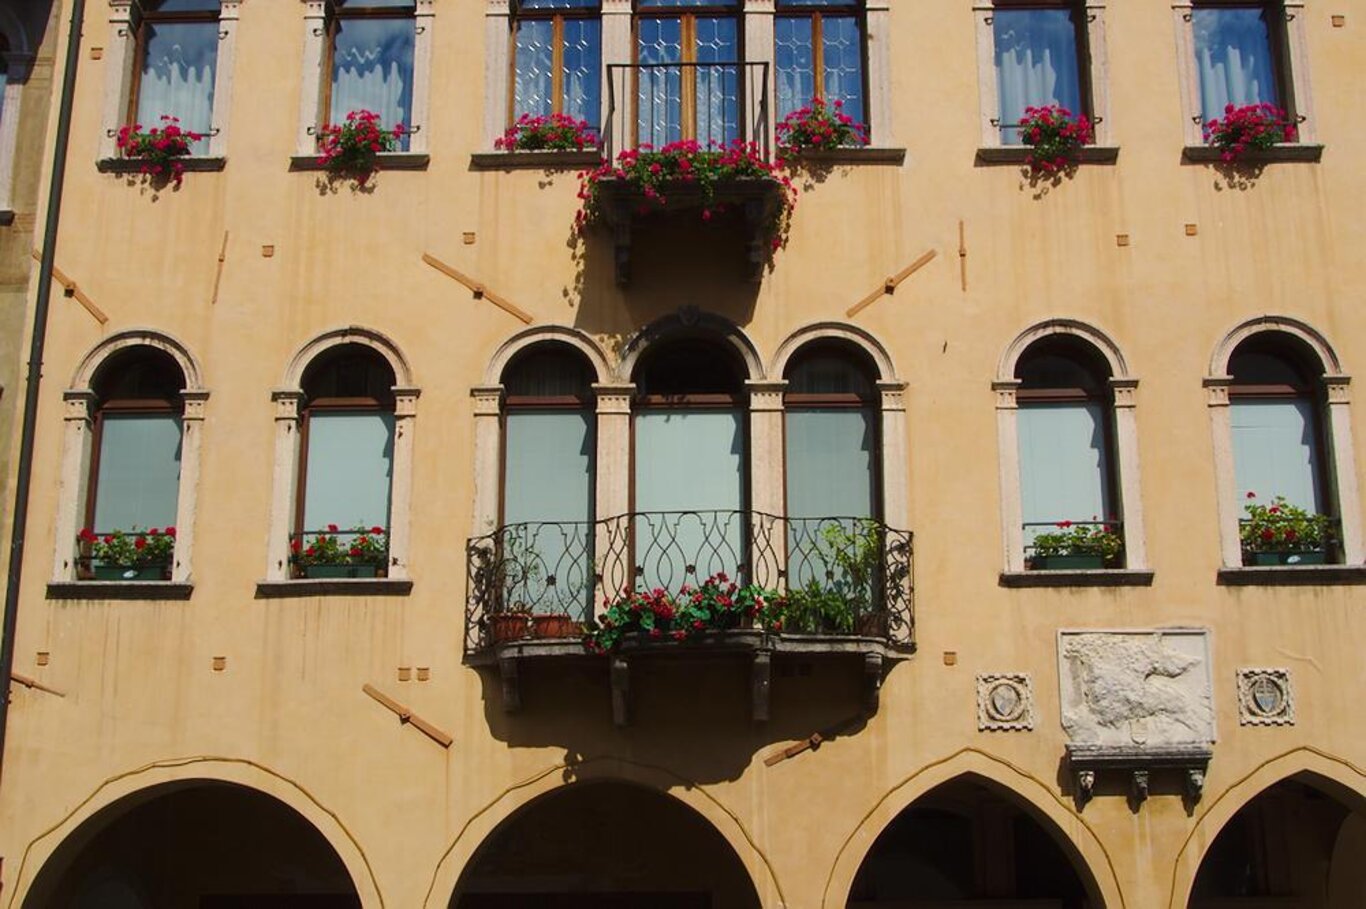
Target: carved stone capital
230,9
497,8
1216,390
893,395
765,396
1005,393
315,9
488,400
77,403
614,398
194,404
1123,390
287,402
1339,389
405,400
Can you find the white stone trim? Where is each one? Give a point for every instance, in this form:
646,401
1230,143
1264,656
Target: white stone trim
17,66
311,68
497,65
73,483
119,59
1098,77
420,116
758,37
1339,458
834,331
543,334
690,321
1297,47
1123,387
881,127
285,468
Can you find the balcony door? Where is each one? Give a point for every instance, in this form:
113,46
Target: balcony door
688,75
690,451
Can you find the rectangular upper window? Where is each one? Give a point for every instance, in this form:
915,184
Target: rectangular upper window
1040,60
1239,56
558,59
369,62
175,66
819,53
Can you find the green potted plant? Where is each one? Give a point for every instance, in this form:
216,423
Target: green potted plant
128,555
326,555
1076,547
1283,534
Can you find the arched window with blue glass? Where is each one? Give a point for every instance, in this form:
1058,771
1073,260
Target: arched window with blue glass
1068,476
688,71
547,533
368,62
557,67
819,54
176,62
1276,406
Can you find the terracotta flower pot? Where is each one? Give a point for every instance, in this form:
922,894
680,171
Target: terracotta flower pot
507,626
555,626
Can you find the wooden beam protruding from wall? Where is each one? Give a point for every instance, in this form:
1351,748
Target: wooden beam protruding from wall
407,716
72,290
890,285
478,289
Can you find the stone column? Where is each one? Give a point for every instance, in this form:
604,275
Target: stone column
419,117
311,66
767,473
881,128
74,479
1344,467
1221,432
612,483
760,85
187,501
1008,438
401,489
285,481
488,448
229,13
1130,495
118,66
895,459
497,29
618,103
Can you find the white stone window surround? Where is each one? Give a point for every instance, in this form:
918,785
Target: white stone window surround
120,55
311,116
1098,78
1339,456
1123,386
18,59
618,48
1297,58
78,417
287,400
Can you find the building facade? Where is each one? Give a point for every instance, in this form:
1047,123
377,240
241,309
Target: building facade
1037,486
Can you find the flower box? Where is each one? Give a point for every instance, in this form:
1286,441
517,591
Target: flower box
1286,557
131,572
555,626
1067,562
341,571
507,626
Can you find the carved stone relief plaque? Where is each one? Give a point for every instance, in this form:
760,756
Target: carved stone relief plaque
1265,697
1136,688
1005,702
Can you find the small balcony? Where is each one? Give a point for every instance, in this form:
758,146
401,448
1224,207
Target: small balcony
658,107
837,589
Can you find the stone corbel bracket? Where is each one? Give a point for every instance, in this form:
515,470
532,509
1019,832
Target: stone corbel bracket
1087,761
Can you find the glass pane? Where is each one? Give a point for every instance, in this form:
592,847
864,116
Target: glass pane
1275,451
372,69
1064,463
139,473
830,470
718,84
795,63
535,53
350,465
548,488
689,461
1036,64
583,69
558,4
644,4
177,77
1233,57
824,4
828,374
843,43
181,6
659,100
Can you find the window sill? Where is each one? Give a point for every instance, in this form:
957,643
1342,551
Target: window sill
535,160
1291,151
6,217
203,164
1093,577
1018,154
353,587
119,590
387,161
853,154
1292,576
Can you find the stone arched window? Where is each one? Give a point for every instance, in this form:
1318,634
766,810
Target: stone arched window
130,453
343,451
1279,413
1068,446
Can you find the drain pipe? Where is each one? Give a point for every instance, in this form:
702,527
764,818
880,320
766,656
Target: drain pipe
24,475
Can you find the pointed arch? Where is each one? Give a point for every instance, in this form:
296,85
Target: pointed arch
130,784
1069,830
1334,775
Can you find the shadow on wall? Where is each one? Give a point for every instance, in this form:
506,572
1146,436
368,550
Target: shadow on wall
205,844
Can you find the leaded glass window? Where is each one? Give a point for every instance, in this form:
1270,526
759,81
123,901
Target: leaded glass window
688,78
558,59
819,54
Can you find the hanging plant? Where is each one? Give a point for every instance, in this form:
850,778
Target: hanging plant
553,132
818,126
351,150
1252,127
159,149
1055,137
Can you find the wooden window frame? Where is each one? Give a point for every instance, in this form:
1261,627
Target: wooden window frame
143,19
120,406
557,17
1085,60
688,16
797,9
335,13
1278,37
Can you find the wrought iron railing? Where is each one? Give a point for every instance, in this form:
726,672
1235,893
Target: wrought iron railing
712,103
838,575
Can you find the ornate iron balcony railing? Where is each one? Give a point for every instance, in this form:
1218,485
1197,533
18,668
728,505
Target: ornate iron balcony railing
840,576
